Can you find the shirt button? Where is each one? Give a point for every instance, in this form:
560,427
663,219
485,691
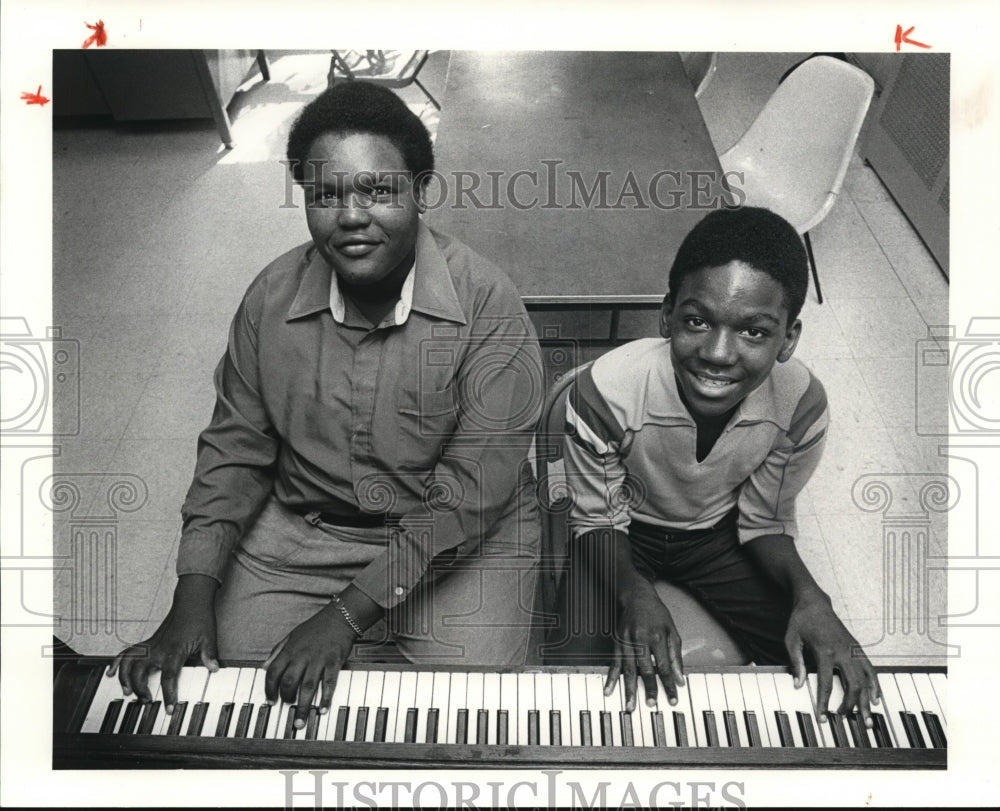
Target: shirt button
399,591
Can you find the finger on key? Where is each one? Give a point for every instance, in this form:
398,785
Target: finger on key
168,684
329,685
307,693
824,681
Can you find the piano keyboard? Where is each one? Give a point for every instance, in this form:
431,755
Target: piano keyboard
394,715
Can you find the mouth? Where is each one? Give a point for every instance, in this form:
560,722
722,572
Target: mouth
712,383
356,247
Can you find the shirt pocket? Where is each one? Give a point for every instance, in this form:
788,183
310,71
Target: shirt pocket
425,421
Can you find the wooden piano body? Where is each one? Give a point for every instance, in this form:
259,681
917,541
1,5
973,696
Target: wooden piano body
476,718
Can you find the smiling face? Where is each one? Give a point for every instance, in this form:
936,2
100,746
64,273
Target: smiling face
364,212
727,326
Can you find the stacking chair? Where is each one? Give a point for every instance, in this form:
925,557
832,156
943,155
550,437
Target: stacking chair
794,156
411,64
700,68
704,640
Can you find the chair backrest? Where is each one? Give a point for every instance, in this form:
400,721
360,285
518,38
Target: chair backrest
553,495
802,140
700,68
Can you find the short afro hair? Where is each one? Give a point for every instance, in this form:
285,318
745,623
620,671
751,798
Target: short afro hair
757,237
353,107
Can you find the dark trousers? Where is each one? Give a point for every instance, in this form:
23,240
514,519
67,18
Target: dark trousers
710,564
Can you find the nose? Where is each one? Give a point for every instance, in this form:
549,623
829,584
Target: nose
719,348
355,212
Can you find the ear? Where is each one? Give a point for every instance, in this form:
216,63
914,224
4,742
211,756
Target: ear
419,196
791,340
665,310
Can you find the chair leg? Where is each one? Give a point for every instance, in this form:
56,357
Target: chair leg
433,100
812,265
265,71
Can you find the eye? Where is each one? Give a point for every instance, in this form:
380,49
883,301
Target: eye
696,322
755,333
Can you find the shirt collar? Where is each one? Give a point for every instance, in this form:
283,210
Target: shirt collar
428,286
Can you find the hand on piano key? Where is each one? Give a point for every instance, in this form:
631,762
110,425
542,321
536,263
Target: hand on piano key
646,644
814,624
188,630
307,663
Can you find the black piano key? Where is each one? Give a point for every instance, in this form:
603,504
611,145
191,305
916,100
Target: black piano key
111,716
312,724
483,726
753,729
680,729
149,716
555,727
606,737
225,719
807,729
784,728
835,723
502,727
130,718
711,731
912,730
883,738
462,727
659,730
381,721
360,723
263,716
935,730
533,736
197,721
586,734
625,718
432,725
288,733
856,726
177,719
243,722
410,731
732,731
343,717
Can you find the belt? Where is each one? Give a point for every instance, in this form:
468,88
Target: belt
358,520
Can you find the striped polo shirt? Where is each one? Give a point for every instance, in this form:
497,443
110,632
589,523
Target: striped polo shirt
630,447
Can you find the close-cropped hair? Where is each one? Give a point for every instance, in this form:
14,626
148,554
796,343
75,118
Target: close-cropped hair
757,237
358,107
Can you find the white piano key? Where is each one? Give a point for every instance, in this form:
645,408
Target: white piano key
241,695
108,689
824,737
543,703
474,703
681,710
594,687
508,702
577,705
836,699
749,685
613,705
525,704
770,703
372,698
736,702
911,702
560,704
939,681
717,702
390,700
219,690
928,696
491,702
793,701
439,702
891,706
457,700
423,700
356,700
258,698
643,713
407,701
700,703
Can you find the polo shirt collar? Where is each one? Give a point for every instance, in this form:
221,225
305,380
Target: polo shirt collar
433,292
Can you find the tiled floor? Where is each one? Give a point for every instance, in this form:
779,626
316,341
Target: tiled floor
158,232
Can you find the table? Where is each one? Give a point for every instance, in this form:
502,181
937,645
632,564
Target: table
525,138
